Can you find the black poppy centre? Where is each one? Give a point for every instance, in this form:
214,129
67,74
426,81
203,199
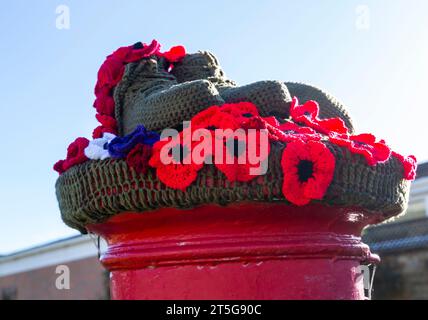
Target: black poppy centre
305,170
138,45
237,148
212,128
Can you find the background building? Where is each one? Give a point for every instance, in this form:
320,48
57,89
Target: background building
35,273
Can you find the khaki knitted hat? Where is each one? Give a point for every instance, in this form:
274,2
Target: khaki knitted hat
288,151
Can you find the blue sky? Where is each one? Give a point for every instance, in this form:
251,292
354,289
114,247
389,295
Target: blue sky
47,75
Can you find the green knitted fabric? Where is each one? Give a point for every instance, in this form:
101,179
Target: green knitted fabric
149,95
96,190
201,65
271,97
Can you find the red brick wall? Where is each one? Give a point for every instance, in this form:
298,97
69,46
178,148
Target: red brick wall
88,280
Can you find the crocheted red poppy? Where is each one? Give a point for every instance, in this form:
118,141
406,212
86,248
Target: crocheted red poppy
213,118
309,110
181,171
100,130
365,144
174,54
307,114
104,105
137,51
107,121
293,131
59,166
291,127
108,124
75,155
138,158
273,121
259,123
242,157
111,71
109,75
331,125
241,111
308,169
409,165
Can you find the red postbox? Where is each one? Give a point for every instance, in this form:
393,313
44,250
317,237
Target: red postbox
243,251
215,229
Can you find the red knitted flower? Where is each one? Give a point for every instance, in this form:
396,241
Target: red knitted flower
173,161
308,111
136,52
111,71
331,125
241,111
228,116
293,131
107,121
307,114
75,155
100,130
291,127
104,105
243,156
365,144
273,121
259,123
174,54
409,165
140,51
108,124
109,74
59,166
246,115
213,118
138,158
308,169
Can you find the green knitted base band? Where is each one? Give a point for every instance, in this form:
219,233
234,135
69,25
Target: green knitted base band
96,190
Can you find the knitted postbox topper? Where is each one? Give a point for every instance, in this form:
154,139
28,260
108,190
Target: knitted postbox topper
268,141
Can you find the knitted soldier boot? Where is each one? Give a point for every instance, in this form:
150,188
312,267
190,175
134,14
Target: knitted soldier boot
271,97
149,95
